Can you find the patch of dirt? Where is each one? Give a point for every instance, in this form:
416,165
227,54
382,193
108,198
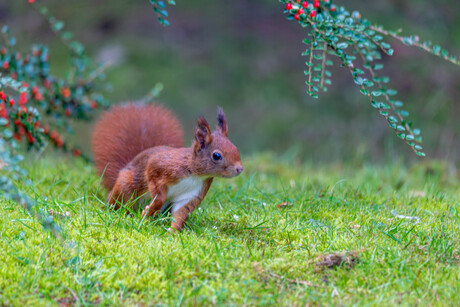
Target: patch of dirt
266,275
283,205
72,301
334,260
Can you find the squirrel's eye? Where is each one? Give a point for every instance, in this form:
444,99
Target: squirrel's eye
216,156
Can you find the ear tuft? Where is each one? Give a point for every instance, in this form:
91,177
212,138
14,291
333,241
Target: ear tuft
222,122
202,134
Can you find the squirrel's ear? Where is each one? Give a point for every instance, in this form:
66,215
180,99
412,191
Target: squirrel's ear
202,133
222,122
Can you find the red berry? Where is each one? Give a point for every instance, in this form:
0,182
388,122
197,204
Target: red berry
93,104
11,102
31,1
53,135
316,4
288,6
333,8
65,92
3,112
38,96
22,98
30,138
76,152
2,96
60,142
300,11
6,65
296,16
312,14
21,130
305,4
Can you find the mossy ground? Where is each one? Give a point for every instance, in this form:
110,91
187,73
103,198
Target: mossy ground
240,248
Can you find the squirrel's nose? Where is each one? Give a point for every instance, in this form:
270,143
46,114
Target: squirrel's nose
239,170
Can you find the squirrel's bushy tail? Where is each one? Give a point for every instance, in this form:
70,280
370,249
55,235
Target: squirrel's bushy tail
124,131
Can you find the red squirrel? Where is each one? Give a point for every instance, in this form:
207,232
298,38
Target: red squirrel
138,149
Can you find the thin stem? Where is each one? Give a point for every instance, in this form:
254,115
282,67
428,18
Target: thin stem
416,44
323,64
310,62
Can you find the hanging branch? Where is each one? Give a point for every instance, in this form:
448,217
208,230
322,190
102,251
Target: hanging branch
336,29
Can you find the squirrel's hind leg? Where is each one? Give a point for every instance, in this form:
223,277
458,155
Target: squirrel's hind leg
122,191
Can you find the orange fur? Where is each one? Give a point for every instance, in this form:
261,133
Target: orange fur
138,147
125,131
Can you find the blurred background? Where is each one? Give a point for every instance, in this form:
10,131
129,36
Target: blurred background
245,56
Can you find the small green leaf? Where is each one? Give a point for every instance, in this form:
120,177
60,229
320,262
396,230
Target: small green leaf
392,119
375,104
410,137
58,26
385,45
359,80
404,113
407,41
342,45
368,83
391,92
398,104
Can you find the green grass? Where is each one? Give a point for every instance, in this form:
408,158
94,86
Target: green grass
239,248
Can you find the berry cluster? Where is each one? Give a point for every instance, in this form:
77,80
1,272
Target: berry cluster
27,86
25,122
300,10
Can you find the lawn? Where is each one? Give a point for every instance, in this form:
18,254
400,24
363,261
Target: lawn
283,233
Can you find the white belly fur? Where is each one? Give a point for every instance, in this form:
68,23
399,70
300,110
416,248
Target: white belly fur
183,192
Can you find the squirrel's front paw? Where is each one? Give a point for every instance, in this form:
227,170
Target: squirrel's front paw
174,228
145,211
